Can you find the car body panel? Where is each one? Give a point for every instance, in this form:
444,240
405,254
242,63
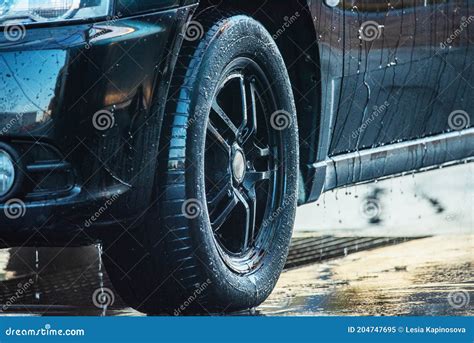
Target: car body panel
53,82
410,69
382,108
401,85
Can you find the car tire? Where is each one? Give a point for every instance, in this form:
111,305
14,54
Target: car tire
217,236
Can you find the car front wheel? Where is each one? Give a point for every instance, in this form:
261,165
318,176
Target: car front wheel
226,187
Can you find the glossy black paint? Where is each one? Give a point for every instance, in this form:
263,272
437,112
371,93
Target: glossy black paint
407,68
399,87
53,81
134,7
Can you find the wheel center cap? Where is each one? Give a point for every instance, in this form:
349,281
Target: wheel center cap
238,166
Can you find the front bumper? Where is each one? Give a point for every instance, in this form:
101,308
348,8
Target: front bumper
82,106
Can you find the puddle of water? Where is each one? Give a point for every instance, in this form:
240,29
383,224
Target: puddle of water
432,276
419,277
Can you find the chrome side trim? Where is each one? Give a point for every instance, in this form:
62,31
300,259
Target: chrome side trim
395,159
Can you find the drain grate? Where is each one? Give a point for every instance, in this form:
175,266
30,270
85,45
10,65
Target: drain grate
66,289
309,250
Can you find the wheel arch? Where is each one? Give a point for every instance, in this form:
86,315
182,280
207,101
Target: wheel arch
291,25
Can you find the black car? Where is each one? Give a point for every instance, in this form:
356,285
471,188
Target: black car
182,135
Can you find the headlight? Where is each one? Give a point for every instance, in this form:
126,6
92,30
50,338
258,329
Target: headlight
7,173
34,11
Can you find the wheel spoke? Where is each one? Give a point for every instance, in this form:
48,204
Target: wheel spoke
226,211
252,177
212,129
247,178
254,152
249,125
243,95
225,118
222,192
249,201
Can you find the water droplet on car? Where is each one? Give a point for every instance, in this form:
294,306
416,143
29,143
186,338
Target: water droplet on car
100,274
37,292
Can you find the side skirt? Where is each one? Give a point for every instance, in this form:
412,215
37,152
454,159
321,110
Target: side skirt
392,160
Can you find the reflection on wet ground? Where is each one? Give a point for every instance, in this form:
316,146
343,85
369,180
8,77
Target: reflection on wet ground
431,276
330,272
63,281
417,277
65,285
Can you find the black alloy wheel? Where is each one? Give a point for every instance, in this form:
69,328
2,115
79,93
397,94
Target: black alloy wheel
244,177
226,186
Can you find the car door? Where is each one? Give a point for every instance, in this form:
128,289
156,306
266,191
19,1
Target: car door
401,77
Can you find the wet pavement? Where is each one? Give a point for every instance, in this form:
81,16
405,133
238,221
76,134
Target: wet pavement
411,252
431,276
428,276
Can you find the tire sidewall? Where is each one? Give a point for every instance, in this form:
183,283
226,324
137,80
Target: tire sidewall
240,36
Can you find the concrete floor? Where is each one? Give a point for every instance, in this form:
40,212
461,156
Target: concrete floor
432,276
